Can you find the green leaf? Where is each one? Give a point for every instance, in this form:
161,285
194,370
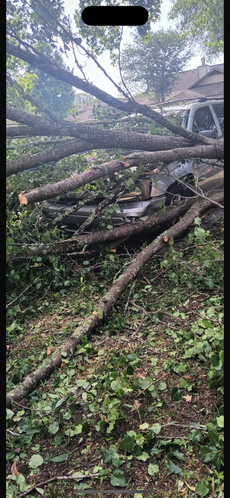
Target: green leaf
116,385
137,450
10,455
153,469
220,421
35,461
126,444
144,426
173,468
144,456
156,428
178,454
107,455
20,479
132,356
129,370
176,394
207,453
60,458
53,428
207,324
78,429
213,436
214,359
202,488
40,490
143,383
162,386
118,478
100,313
221,355
9,414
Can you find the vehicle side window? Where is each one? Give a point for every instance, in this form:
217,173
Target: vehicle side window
219,110
203,120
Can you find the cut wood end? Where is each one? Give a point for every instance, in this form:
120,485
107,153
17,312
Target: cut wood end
126,164
166,239
22,199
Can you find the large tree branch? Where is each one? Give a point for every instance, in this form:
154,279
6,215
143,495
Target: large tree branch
46,156
118,138
106,169
108,235
130,106
214,151
106,304
75,181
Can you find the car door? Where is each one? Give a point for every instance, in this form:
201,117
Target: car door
209,174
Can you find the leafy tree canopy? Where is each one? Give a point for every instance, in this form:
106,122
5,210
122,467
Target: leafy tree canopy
52,94
35,20
203,22
152,64
100,38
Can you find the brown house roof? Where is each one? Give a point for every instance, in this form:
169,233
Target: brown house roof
187,85
189,78
213,90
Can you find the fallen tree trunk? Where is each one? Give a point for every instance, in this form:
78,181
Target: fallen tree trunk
215,151
130,106
52,190
75,181
115,138
46,156
106,303
110,235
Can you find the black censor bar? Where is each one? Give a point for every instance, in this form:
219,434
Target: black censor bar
115,16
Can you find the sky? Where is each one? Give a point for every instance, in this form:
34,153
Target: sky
96,77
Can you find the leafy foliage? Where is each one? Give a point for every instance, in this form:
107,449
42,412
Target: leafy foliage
101,38
153,64
54,95
202,22
96,404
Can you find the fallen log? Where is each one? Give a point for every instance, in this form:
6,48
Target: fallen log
110,235
107,302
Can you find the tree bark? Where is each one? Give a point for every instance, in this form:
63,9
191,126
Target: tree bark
215,151
111,235
75,81
46,156
115,138
52,190
75,181
106,303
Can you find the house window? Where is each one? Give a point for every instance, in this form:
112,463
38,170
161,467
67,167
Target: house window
219,110
203,120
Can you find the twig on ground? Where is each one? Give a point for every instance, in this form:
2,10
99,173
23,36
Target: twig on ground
143,319
155,380
23,292
13,433
188,426
137,406
129,296
39,484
